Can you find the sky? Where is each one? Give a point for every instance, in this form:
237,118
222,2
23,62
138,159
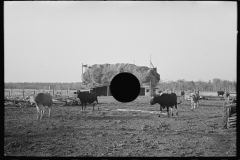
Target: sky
47,41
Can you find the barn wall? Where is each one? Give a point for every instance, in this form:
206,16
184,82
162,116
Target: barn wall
142,92
100,91
147,91
105,91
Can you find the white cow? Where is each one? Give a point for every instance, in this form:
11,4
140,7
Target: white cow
194,99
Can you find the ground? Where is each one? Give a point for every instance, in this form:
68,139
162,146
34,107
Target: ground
110,132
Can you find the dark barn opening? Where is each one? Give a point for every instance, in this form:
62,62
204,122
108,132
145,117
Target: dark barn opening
102,91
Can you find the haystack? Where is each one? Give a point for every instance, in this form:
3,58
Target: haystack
102,74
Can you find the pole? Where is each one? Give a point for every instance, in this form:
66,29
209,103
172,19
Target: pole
150,87
150,60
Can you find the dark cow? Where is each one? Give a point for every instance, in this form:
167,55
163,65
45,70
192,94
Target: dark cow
220,93
42,101
182,93
86,97
166,100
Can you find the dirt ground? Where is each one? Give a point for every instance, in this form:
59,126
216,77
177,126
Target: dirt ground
110,132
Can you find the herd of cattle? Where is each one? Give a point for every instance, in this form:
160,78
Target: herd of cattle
165,100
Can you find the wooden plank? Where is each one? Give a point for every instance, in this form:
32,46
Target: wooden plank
233,115
232,118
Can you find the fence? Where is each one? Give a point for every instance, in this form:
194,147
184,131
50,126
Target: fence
26,92
229,115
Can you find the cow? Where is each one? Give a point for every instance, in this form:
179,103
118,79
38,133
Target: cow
165,100
194,99
42,101
220,93
86,97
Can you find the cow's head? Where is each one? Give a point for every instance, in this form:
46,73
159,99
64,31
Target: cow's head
78,92
153,101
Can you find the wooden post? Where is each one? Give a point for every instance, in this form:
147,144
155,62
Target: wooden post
11,92
53,92
107,90
150,87
23,92
34,92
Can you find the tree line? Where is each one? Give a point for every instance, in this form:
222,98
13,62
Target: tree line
45,86
211,86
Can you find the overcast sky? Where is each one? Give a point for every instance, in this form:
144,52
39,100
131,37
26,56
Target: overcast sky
47,41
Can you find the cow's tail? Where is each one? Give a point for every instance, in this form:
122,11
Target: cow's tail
179,102
97,100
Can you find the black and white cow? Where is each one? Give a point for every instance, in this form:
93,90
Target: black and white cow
220,93
42,101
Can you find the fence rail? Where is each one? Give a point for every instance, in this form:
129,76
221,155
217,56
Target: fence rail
27,92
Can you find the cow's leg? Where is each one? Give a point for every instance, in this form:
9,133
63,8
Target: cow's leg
93,105
38,111
168,111
42,111
176,109
191,105
160,111
171,111
49,115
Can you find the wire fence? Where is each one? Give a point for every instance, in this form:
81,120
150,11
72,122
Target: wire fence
28,92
